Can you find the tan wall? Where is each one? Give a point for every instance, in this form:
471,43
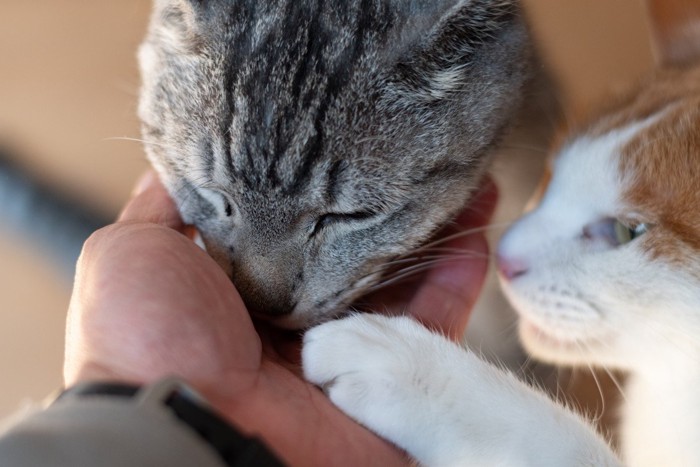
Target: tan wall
68,81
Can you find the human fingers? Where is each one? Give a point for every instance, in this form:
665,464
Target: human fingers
146,300
447,294
151,203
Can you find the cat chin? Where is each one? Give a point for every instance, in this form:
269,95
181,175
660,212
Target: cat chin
547,347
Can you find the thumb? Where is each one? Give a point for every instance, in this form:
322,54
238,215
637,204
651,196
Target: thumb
150,203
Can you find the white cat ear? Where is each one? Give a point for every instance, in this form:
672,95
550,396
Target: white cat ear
675,29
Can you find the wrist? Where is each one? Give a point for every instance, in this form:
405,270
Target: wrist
185,408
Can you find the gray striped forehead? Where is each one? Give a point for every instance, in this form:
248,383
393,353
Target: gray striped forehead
287,68
275,92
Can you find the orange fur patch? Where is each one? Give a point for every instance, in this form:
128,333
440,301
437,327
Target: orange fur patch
661,165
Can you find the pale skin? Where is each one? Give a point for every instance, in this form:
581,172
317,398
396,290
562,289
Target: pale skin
149,303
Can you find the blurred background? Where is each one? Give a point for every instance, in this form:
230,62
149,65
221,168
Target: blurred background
68,89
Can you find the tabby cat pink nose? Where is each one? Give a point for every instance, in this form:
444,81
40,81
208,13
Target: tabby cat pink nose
510,268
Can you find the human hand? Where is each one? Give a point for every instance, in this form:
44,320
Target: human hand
149,303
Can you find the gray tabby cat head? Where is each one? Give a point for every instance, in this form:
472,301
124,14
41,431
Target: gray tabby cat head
312,141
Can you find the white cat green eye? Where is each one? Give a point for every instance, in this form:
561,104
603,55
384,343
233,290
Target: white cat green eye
625,234
613,231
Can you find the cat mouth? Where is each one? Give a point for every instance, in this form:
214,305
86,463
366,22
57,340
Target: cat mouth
530,331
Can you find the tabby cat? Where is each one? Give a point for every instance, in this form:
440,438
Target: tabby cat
605,271
311,141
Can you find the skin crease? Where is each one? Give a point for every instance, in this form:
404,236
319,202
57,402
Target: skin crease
148,303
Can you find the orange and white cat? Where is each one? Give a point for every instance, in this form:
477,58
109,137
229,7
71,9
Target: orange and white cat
605,271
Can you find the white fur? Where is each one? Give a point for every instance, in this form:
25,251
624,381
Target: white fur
443,405
571,280
582,302
442,83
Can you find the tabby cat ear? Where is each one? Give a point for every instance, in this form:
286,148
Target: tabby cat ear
675,29
460,33
179,22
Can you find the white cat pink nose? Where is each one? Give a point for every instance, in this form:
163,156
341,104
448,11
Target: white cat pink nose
510,268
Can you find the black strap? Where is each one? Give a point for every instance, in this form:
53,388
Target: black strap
234,448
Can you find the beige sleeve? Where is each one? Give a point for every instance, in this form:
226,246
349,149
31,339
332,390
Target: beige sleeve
105,432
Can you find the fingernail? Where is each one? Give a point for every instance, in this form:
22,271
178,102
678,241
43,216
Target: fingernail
145,181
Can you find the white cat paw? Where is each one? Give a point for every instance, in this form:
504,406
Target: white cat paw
347,357
380,371
439,403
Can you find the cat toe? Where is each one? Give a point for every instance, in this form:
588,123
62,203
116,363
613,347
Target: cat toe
367,360
379,371
355,360
341,347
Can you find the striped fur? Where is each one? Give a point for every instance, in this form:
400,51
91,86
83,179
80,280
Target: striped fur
312,141
604,271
